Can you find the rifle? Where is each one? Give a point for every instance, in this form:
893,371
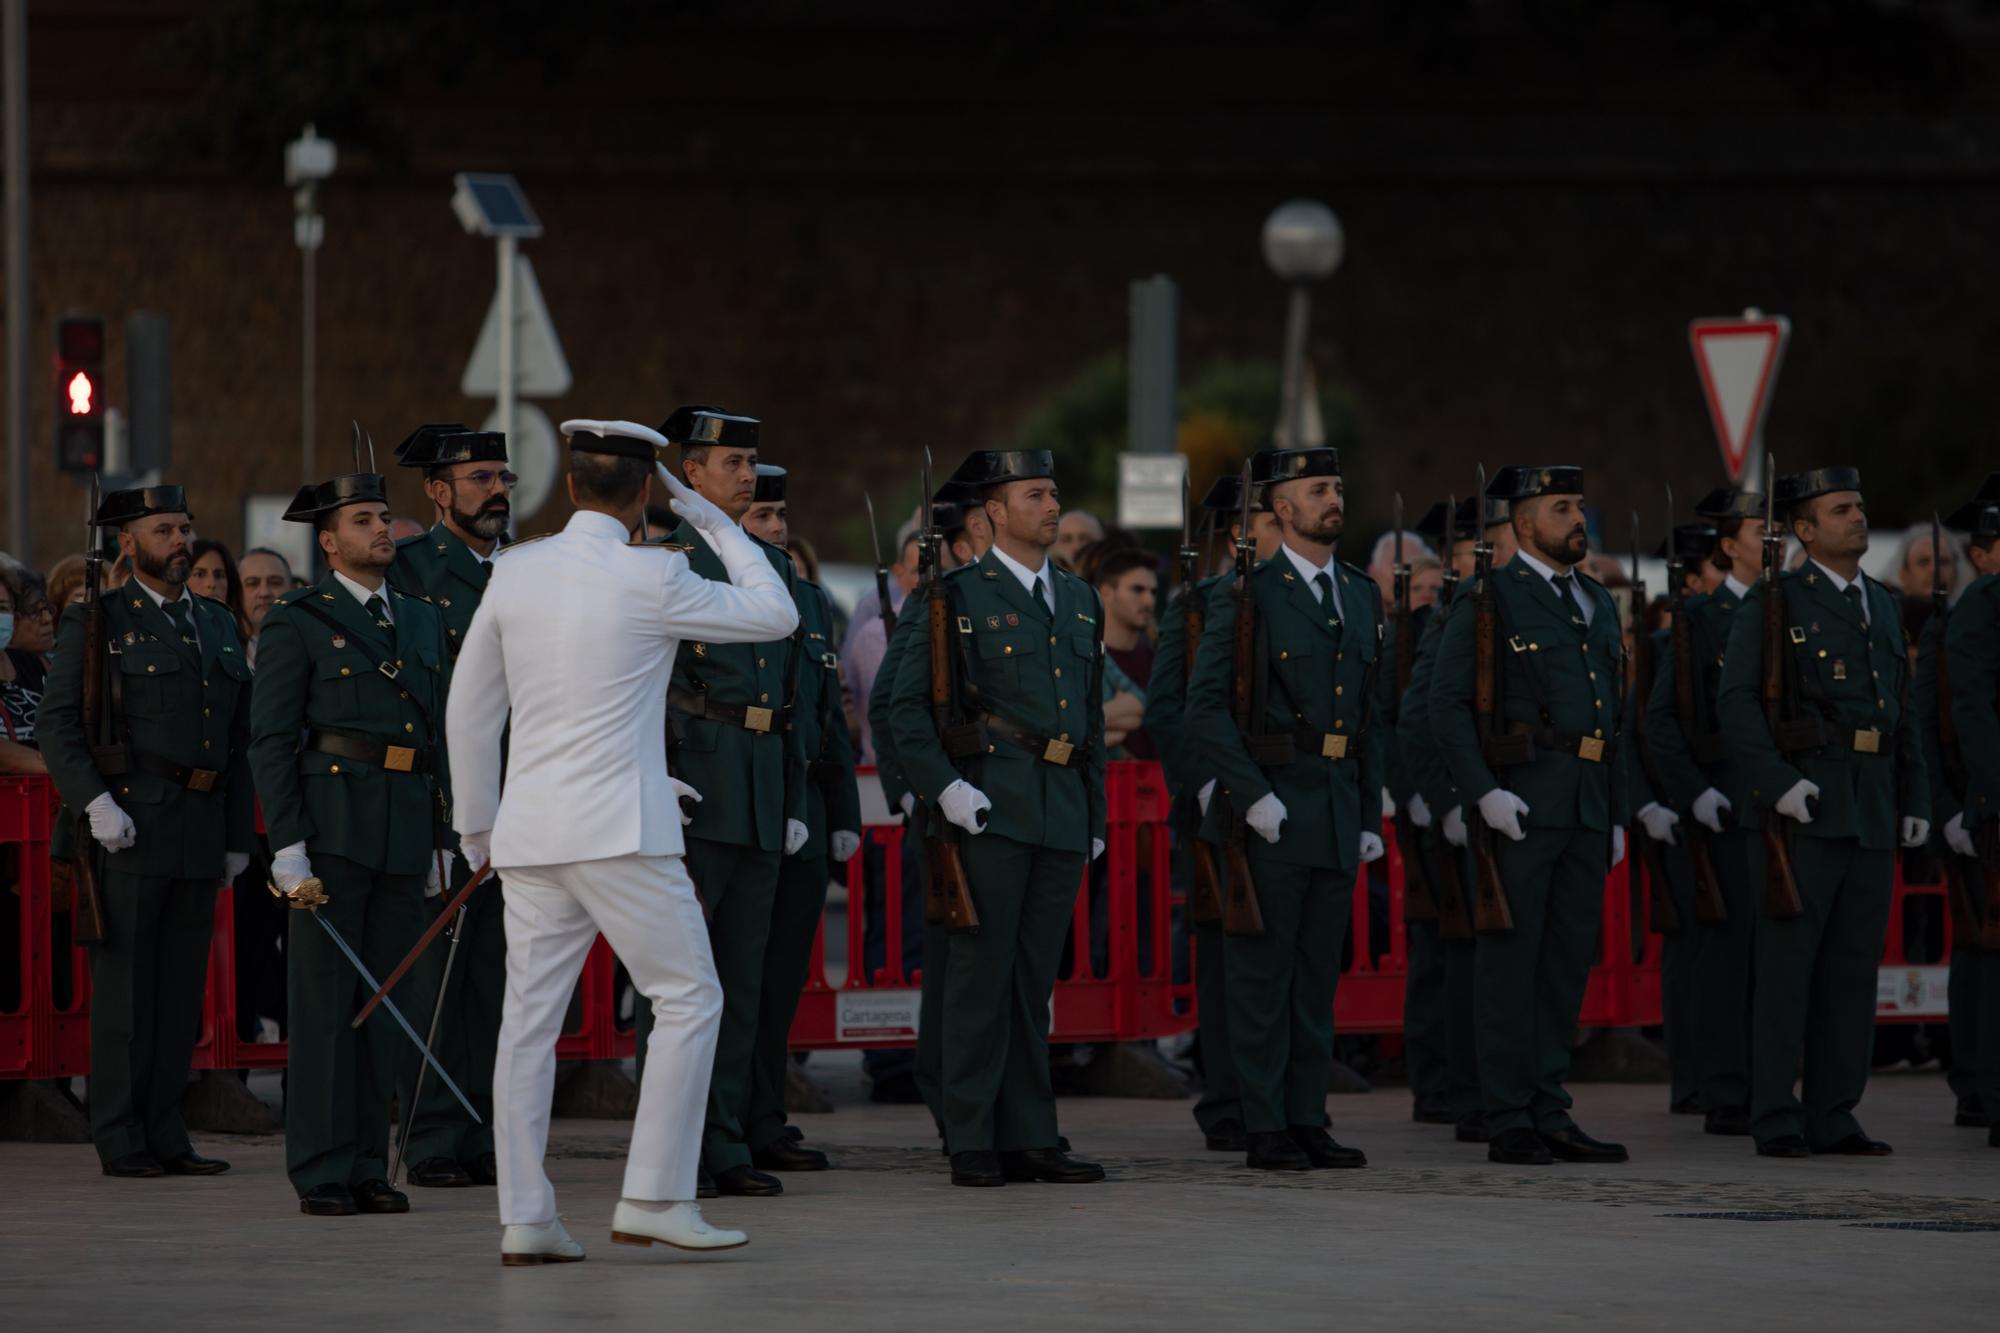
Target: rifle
947,893
1663,918
1781,890
1418,903
87,920
1454,917
887,612
1241,914
1205,905
1965,922
1493,916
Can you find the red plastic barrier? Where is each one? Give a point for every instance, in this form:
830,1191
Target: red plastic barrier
45,1003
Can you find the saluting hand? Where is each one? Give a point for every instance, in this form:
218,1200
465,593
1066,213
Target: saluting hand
690,504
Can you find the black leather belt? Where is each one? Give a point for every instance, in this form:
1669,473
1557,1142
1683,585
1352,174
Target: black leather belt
1048,749
383,754
750,717
1524,744
1276,749
1812,733
115,760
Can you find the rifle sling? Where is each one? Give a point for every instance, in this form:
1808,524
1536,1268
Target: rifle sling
390,675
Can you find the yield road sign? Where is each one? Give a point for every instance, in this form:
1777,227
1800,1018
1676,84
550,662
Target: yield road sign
1738,361
540,369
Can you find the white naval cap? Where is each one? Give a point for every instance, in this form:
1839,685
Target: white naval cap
626,439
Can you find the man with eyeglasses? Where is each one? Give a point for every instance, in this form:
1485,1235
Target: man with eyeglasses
466,478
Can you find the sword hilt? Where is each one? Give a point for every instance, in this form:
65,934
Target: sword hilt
308,894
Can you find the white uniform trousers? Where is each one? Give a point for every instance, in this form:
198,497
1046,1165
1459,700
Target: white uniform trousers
646,907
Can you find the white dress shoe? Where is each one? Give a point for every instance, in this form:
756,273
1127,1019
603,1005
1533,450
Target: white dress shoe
538,1243
678,1224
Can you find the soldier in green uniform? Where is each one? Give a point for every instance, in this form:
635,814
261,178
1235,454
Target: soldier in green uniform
736,740
171,803
1964,770
347,745
1558,802
1307,781
1701,778
1219,1110
1846,777
833,834
466,478
1437,808
1030,801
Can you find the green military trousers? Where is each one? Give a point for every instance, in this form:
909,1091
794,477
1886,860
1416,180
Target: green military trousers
1221,1103
1814,996
929,1071
995,1055
1973,993
146,985
1721,981
1280,991
1458,959
1426,1018
738,886
1678,954
795,917
1528,983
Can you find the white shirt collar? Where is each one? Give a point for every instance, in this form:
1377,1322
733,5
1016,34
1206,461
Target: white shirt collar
594,523
1029,578
1309,571
1736,585
362,594
1841,585
161,601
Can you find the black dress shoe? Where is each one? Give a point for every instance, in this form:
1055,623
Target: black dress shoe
192,1163
749,1182
1433,1111
1471,1131
1276,1152
788,1155
134,1166
1685,1106
1321,1149
484,1169
977,1169
1051,1165
1573,1145
1785,1145
1518,1147
1733,1121
704,1184
1227,1136
379,1196
327,1201
1971,1114
439,1173
1858,1145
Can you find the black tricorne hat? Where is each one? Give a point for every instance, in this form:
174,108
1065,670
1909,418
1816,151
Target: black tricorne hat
990,467
700,426
323,497
116,508
1690,541
1473,509
770,484
1725,502
1270,466
1225,496
438,444
1525,481
1803,486
1979,518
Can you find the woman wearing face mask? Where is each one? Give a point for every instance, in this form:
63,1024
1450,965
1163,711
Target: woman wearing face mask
21,681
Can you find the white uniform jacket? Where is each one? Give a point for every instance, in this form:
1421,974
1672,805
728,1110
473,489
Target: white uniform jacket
576,637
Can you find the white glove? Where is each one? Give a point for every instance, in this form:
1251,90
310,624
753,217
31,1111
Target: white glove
796,834
965,805
1205,795
1502,811
1916,832
1709,807
843,843
111,826
234,864
1956,838
1617,844
1264,815
290,868
476,848
908,801
1096,848
690,504
1793,803
1454,826
436,872
1388,804
1371,847
1420,812
1659,822
681,791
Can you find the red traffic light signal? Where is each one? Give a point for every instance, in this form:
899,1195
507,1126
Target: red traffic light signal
80,393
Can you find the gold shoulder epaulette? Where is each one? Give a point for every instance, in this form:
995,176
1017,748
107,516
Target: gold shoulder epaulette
517,545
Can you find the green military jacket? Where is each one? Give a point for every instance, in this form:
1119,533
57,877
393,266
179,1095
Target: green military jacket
188,706
1972,648
1711,617
881,693
1031,671
1854,680
1555,675
312,676
1423,765
439,566
833,801
1165,719
750,782
1315,681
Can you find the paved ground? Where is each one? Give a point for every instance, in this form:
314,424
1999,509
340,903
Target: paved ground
1430,1235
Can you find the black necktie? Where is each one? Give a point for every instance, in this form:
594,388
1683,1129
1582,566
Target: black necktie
1853,595
1042,599
1324,582
1566,585
379,611
177,611
485,572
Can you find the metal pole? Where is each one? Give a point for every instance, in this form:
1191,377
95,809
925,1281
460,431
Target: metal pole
308,360
505,247
20,396
1291,415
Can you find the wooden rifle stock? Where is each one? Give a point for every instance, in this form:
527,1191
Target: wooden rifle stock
1492,915
1419,903
1205,904
1241,914
1781,890
947,893
87,923
1454,914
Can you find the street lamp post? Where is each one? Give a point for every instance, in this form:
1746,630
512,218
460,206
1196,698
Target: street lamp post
1303,244
309,160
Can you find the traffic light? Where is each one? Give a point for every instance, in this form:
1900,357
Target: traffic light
80,393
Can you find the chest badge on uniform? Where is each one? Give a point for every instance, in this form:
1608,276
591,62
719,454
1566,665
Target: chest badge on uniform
1840,668
701,650
1013,619
993,622
131,637
444,602
1815,627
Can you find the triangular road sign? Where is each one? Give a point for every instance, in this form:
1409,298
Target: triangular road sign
1738,362
540,370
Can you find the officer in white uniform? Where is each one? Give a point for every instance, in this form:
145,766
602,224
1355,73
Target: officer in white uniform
575,637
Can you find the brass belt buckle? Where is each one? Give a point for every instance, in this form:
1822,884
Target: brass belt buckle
1868,742
1590,748
202,779
398,758
1058,752
1333,747
757,719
